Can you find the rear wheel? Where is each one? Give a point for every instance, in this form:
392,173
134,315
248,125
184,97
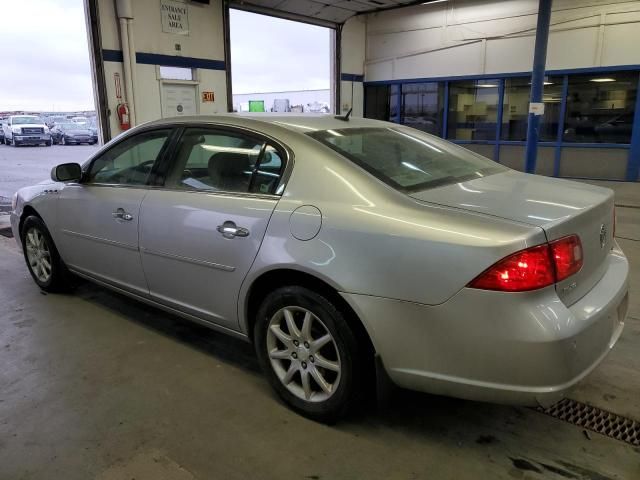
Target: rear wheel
308,352
40,253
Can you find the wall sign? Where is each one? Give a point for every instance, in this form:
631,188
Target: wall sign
207,97
175,17
537,108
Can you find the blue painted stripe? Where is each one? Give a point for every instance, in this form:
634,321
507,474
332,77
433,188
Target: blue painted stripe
496,76
112,55
166,60
351,77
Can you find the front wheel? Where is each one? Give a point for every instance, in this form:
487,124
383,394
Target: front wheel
308,352
40,253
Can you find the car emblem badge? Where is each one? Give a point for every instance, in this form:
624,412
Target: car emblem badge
603,235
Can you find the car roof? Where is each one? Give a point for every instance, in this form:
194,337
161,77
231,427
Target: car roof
302,123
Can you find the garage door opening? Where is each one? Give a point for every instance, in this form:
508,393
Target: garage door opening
46,90
279,65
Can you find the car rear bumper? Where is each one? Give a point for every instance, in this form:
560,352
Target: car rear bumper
516,348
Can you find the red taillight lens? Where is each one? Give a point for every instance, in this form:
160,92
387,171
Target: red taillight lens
533,268
524,270
567,256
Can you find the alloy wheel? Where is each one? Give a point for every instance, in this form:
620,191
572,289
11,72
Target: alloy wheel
303,354
38,254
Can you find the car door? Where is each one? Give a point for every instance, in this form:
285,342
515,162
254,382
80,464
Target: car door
200,234
98,218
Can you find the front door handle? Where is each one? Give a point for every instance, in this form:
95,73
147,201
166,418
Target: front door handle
122,215
230,230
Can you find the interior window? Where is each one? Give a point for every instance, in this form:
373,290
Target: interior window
129,162
224,161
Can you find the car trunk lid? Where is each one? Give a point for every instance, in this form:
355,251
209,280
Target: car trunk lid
559,207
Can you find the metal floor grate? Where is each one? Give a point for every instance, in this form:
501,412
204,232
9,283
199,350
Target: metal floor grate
596,420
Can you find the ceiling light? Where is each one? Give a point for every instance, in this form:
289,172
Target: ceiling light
602,80
433,1
486,85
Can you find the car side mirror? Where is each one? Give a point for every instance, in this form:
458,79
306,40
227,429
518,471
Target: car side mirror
67,172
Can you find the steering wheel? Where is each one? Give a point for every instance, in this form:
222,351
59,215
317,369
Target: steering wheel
144,167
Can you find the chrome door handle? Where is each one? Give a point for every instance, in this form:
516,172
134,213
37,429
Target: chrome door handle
230,230
122,215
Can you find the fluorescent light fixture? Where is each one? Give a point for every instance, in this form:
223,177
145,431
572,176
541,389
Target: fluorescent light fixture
434,1
487,85
602,80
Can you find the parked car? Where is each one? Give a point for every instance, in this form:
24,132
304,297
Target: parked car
26,130
342,248
52,121
2,122
73,134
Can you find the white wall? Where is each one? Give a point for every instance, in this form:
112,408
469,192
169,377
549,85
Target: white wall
353,57
205,41
471,37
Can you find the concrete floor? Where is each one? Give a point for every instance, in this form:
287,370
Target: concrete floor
94,385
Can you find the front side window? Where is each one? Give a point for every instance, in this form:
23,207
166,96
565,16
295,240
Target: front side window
212,160
405,159
129,162
600,108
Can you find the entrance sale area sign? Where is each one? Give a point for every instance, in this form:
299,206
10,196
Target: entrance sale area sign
175,17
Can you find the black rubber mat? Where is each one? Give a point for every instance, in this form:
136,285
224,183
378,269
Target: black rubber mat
6,232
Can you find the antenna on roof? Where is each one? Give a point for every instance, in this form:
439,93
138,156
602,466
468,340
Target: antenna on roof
345,117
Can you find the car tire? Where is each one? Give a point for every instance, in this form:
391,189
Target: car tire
49,143
41,255
287,354
15,144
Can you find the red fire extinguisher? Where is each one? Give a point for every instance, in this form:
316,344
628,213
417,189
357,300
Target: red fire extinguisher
123,116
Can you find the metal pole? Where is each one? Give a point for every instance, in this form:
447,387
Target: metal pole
537,82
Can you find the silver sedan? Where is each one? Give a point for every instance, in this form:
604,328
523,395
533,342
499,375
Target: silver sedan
346,250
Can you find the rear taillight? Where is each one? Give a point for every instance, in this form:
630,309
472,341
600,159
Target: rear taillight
533,268
567,256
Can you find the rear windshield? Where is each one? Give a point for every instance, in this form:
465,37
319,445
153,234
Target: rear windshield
407,159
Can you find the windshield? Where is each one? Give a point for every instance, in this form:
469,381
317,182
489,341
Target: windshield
405,158
70,126
25,120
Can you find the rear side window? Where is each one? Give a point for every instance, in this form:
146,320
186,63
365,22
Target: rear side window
406,159
225,161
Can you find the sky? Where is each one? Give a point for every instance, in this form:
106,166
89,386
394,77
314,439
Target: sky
278,55
44,61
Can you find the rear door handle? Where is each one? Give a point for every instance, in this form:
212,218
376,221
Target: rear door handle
230,230
122,215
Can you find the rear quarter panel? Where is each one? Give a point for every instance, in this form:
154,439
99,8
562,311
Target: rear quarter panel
379,242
